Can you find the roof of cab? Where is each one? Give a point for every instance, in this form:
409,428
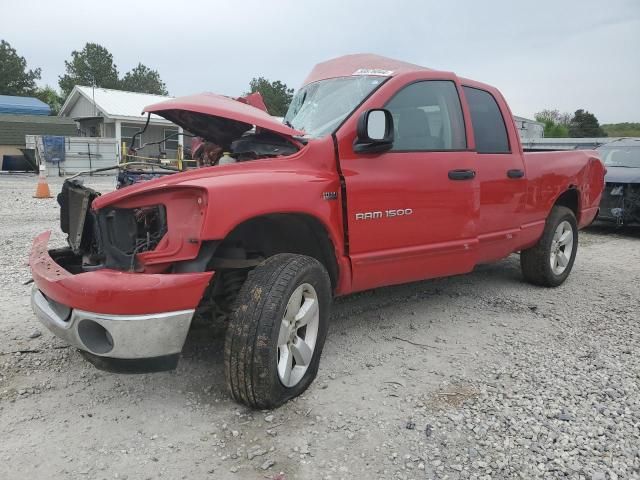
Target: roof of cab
360,64
371,64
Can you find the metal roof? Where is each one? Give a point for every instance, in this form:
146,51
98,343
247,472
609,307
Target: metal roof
23,105
13,128
528,120
116,104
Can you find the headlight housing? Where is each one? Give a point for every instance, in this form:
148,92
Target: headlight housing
153,229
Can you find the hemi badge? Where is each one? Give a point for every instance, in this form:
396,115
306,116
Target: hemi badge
330,195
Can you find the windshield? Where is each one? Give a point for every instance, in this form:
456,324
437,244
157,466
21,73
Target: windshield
620,156
320,107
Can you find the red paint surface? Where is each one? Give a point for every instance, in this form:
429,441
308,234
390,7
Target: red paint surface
455,225
113,291
255,100
221,106
347,65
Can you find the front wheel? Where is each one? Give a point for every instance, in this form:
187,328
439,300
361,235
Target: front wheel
549,262
277,330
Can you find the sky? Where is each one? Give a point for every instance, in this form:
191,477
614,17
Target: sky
561,54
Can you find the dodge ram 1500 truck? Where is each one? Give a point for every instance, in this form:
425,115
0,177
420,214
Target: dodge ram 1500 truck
382,173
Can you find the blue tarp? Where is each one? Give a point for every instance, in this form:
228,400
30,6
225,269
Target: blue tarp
53,148
23,105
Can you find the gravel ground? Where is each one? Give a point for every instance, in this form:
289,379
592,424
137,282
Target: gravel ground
479,376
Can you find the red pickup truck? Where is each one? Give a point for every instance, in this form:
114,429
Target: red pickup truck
383,172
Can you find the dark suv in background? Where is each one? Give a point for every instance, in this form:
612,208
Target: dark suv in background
620,202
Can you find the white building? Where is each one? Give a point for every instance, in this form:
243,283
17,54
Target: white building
102,112
529,128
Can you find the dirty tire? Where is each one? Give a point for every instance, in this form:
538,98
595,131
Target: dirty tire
535,261
250,350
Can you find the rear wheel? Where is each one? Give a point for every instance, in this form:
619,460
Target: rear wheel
277,330
549,262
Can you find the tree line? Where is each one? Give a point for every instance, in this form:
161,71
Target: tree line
580,124
94,66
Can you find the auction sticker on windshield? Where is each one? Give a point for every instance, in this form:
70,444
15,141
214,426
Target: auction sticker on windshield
373,71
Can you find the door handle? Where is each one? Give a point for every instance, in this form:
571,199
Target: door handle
462,174
515,173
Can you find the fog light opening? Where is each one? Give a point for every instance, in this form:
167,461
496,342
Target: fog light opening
95,337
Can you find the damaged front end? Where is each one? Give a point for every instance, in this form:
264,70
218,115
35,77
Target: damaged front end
137,270
108,293
132,234
620,204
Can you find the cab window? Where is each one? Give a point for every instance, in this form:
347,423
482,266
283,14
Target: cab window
427,116
489,128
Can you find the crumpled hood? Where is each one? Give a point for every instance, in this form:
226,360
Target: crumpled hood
217,118
622,175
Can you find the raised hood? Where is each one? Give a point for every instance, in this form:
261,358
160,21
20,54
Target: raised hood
217,118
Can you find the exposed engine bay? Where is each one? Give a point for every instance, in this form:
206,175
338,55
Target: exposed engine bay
250,146
216,139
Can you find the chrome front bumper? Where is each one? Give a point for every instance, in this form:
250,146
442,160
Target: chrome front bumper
115,336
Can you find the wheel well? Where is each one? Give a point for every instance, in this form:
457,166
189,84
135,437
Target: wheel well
271,234
571,200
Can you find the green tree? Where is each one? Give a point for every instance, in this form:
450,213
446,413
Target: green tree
585,124
145,80
15,79
547,115
558,131
551,128
93,65
555,123
276,95
51,97
555,116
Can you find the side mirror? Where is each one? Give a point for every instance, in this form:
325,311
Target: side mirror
374,131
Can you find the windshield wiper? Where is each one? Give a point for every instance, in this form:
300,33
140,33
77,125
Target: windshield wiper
288,124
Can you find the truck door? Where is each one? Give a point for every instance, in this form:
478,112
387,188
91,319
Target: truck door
500,174
412,210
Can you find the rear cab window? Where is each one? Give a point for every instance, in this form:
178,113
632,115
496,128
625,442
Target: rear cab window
427,116
489,128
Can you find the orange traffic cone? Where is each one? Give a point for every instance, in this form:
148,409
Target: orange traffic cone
42,190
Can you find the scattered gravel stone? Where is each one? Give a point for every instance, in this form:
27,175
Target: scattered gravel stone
268,464
565,417
256,451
